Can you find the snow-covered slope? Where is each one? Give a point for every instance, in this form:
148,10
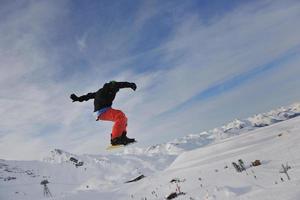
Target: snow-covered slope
198,166
208,173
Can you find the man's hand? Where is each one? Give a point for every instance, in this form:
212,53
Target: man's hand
74,97
133,86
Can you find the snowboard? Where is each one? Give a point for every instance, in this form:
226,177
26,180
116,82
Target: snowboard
112,147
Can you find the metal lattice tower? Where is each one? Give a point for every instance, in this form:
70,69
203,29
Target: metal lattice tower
47,192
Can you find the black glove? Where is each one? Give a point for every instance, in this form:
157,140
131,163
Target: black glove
74,97
133,86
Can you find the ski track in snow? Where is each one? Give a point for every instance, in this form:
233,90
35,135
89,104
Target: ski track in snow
198,166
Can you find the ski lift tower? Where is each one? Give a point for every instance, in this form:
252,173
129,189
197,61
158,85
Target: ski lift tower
47,192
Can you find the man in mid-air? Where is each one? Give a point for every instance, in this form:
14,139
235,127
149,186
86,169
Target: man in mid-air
103,100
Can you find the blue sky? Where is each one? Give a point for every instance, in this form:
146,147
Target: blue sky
197,65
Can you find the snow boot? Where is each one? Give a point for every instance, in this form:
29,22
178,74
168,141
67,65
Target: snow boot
127,140
116,141
122,140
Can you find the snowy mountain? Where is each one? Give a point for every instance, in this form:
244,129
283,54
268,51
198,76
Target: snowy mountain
235,127
198,166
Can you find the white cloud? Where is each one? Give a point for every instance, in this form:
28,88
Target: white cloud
21,147
81,42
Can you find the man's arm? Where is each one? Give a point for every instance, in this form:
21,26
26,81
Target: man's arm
121,85
83,97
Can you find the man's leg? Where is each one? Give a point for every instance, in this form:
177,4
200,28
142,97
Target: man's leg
119,119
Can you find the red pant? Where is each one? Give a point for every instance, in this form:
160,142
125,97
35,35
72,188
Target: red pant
118,117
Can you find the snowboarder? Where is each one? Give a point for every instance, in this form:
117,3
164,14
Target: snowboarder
103,99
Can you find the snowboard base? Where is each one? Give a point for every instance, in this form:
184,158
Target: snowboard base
112,147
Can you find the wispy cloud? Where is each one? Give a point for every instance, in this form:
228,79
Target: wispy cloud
81,42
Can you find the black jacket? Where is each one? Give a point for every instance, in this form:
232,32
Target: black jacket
105,95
